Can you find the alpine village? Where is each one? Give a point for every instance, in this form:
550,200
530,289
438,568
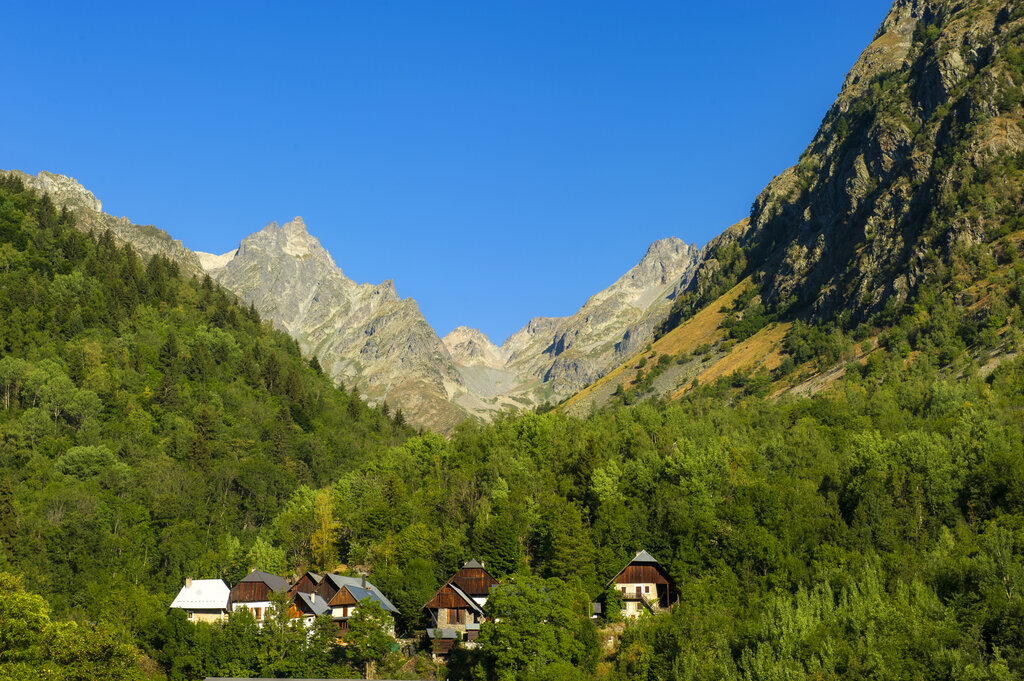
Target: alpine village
794,452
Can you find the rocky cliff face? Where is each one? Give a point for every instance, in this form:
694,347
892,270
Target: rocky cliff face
66,192
885,188
363,335
470,347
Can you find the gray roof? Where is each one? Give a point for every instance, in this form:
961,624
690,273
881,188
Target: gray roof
359,592
317,607
441,633
473,564
273,581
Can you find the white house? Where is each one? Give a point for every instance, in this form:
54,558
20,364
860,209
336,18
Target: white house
204,600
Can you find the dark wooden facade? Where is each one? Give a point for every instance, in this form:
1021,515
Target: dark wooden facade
307,584
647,571
325,590
342,598
643,573
475,581
250,592
446,598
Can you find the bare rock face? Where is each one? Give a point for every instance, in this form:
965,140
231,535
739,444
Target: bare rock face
66,192
363,335
470,347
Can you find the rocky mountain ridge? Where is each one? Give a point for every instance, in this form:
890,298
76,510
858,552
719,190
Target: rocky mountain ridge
900,229
368,337
363,335
148,240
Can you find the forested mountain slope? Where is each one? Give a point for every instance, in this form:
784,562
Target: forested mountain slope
151,428
149,425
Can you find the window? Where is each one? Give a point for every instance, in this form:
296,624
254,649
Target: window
623,589
647,589
257,613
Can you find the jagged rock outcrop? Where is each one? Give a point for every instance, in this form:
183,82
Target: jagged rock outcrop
66,192
470,347
363,335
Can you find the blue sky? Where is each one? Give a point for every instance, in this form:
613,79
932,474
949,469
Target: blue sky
498,160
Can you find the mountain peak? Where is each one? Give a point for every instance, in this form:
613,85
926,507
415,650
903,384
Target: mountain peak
297,226
471,347
291,238
667,249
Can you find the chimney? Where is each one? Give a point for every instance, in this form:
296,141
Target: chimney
188,582
364,581
312,598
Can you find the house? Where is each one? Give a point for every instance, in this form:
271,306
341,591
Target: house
645,586
253,592
456,610
308,607
343,594
204,600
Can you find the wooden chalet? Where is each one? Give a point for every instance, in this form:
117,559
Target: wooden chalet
645,586
342,595
307,607
456,610
253,592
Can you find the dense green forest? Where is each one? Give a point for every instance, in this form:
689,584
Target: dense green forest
152,429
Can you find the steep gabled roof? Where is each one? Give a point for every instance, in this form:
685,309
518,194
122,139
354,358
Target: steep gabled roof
641,558
310,605
359,592
203,594
273,581
474,579
463,596
466,597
